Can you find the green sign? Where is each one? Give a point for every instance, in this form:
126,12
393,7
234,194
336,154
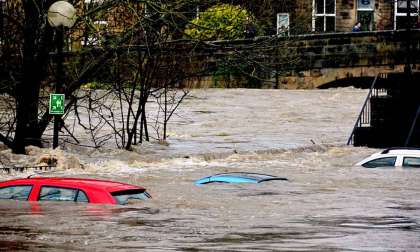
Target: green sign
56,104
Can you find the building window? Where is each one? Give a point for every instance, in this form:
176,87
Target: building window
283,24
323,17
365,14
401,20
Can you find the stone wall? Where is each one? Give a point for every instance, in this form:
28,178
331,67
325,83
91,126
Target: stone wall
309,61
384,15
345,15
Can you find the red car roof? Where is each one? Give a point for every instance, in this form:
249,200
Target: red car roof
109,186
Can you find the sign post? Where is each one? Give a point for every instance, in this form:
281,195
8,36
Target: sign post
56,104
56,108
60,14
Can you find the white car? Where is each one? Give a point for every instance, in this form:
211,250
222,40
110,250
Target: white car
404,156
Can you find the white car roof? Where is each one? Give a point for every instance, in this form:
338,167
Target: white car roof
404,151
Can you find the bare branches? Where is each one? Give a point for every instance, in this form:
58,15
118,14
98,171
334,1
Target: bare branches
128,54
7,119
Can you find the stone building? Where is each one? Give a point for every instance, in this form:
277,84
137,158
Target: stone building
307,16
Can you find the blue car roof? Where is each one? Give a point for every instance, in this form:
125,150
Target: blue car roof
237,177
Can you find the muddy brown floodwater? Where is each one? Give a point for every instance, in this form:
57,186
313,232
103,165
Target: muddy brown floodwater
327,205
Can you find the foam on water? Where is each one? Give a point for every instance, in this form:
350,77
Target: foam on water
327,205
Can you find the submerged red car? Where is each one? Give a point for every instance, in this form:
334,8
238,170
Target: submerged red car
71,189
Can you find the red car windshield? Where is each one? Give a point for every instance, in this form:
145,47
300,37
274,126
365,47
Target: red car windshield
126,196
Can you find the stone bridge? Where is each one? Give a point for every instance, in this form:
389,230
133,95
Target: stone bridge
319,60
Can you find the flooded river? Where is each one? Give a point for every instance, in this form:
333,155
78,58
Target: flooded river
327,205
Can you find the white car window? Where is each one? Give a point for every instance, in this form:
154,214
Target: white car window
380,162
411,161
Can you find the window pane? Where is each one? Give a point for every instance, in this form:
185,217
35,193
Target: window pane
319,24
124,197
319,6
330,24
403,4
411,161
366,20
15,192
380,162
57,194
330,6
81,197
365,5
402,22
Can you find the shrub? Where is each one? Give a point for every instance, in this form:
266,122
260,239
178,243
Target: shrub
223,21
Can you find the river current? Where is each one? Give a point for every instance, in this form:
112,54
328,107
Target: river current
328,204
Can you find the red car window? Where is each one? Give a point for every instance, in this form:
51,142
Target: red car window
18,192
123,197
53,193
81,197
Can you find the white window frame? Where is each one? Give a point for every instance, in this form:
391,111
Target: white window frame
324,15
402,14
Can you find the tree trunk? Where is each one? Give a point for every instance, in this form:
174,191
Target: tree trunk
27,90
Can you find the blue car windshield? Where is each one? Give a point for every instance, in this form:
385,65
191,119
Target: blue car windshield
237,177
255,176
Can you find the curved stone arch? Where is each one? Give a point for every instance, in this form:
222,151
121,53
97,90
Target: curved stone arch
360,77
357,82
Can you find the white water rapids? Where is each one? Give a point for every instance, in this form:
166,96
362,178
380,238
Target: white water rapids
328,204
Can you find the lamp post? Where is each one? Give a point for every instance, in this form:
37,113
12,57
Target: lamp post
60,14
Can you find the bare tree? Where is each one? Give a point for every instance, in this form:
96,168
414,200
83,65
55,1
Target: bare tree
108,32
130,49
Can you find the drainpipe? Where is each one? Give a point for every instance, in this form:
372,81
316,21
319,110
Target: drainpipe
407,67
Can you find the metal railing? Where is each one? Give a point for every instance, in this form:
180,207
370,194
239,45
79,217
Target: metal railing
9,170
365,114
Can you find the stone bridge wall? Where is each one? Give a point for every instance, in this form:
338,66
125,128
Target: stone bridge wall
321,58
302,61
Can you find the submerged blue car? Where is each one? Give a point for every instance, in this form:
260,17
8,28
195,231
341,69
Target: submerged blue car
237,177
